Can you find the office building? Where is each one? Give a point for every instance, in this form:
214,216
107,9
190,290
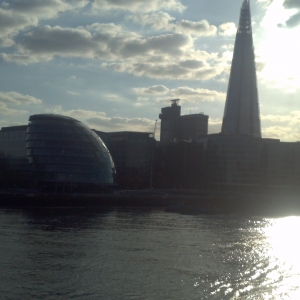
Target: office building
170,122
132,154
241,114
175,127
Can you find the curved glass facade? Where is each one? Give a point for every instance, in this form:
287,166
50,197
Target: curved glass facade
62,149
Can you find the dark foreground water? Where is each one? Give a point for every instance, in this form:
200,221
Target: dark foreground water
147,254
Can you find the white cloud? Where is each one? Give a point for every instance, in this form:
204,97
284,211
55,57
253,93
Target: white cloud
227,29
4,110
193,95
14,98
122,124
100,121
187,94
139,5
163,21
73,93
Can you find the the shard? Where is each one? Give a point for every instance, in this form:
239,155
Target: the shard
241,114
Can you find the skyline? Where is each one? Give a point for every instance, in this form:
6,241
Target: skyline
114,67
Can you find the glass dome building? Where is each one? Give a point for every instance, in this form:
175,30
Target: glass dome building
63,151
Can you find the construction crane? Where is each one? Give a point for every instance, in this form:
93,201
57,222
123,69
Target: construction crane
154,129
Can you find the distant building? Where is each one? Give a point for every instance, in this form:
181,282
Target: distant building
132,154
175,127
245,162
241,114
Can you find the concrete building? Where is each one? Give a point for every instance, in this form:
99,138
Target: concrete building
169,128
241,114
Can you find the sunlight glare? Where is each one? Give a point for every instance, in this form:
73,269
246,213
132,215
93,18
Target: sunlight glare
279,48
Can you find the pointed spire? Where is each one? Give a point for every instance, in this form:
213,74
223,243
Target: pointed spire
241,114
245,4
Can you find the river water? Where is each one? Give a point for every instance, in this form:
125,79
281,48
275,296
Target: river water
117,253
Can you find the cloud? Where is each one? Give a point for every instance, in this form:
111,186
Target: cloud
187,94
76,113
100,121
106,42
44,9
294,20
73,93
23,14
4,110
280,132
122,124
170,56
152,90
227,29
139,5
291,4
292,118
14,98
11,22
163,21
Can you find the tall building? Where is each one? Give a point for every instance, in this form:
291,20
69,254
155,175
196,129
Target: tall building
241,114
176,127
169,121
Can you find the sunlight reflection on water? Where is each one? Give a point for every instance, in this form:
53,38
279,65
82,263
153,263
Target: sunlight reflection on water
144,254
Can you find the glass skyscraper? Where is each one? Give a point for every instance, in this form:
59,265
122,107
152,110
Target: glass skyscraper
241,114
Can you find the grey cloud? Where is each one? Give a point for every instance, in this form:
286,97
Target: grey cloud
47,41
152,90
46,9
294,20
139,5
192,64
197,28
260,66
22,14
57,40
170,56
11,22
291,4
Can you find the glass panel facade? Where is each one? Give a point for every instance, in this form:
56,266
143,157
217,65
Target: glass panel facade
63,149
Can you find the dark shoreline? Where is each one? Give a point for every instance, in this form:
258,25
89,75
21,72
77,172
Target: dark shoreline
189,202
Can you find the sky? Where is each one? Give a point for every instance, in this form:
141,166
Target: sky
113,64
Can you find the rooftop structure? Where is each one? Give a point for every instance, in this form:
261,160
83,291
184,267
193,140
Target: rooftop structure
177,127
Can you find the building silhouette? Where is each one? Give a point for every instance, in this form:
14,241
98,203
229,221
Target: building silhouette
175,127
241,114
